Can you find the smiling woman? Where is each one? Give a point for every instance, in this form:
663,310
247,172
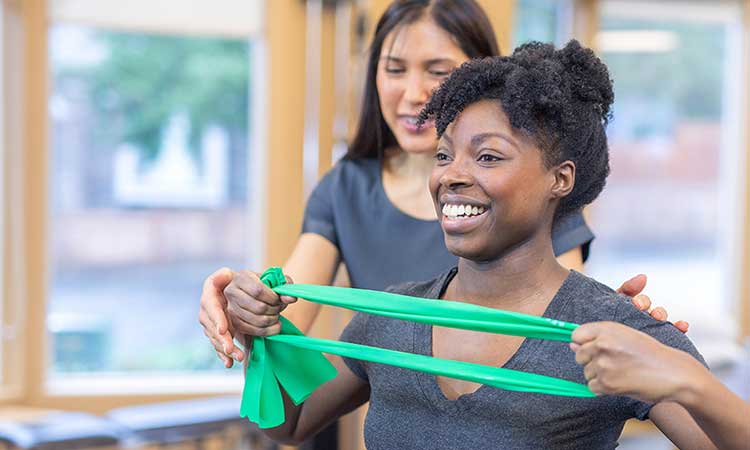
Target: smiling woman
373,210
507,145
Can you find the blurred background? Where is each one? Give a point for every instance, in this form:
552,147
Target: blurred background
146,144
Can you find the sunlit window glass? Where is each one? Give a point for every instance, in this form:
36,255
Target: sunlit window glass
541,20
667,208
148,193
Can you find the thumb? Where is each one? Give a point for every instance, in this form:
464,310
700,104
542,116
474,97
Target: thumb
633,286
586,332
221,278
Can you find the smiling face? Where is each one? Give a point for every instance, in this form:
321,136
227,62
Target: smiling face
414,60
490,185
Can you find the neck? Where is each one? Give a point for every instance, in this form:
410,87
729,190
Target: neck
409,166
522,278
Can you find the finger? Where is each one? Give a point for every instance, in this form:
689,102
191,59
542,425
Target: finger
239,300
659,313
633,286
213,303
228,362
590,371
287,300
221,352
211,330
586,332
249,283
252,330
682,326
586,353
575,347
596,387
237,354
240,315
642,302
216,341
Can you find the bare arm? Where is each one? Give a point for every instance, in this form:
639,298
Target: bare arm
330,401
704,414
314,260
692,407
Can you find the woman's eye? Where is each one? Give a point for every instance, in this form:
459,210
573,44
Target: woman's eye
440,73
441,157
394,70
489,158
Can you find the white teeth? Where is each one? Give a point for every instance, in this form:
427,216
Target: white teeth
461,211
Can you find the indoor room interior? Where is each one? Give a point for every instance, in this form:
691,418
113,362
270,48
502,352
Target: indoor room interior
146,144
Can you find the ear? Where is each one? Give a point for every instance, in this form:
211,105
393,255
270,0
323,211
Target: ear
564,179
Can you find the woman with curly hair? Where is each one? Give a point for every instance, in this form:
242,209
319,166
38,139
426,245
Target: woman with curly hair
521,142
372,211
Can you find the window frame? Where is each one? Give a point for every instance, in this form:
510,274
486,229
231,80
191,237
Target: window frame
28,292
11,231
733,245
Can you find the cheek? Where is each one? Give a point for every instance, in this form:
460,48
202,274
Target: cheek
432,85
434,183
388,92
519,193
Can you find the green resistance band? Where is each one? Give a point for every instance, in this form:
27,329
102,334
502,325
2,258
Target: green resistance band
295,361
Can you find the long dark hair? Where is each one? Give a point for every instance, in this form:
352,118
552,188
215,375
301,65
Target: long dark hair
464,20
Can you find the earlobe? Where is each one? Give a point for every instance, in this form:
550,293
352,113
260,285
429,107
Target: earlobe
564,179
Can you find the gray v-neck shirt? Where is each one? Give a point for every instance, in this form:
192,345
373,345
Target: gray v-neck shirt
409,411
380,244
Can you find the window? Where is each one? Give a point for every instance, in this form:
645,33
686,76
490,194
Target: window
672,202
148,194
542,20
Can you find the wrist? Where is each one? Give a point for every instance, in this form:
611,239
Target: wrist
694,380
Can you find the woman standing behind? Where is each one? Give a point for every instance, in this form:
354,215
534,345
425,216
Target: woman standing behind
373,210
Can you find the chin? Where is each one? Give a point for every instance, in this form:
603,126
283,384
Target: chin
421,145
467,250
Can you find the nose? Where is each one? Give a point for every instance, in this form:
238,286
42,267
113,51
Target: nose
417,91
456,175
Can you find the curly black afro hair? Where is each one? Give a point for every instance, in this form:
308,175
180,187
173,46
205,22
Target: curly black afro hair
561,98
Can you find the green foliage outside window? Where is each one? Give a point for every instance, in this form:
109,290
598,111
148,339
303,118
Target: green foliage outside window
145,79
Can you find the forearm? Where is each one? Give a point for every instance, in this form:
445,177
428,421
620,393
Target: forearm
721,414
285,433
313,261
327,403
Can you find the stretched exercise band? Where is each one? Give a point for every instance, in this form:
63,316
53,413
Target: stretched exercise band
295,361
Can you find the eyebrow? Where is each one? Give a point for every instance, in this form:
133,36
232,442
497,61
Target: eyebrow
479,138
429,62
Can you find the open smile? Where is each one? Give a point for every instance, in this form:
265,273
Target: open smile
409,123
461,218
